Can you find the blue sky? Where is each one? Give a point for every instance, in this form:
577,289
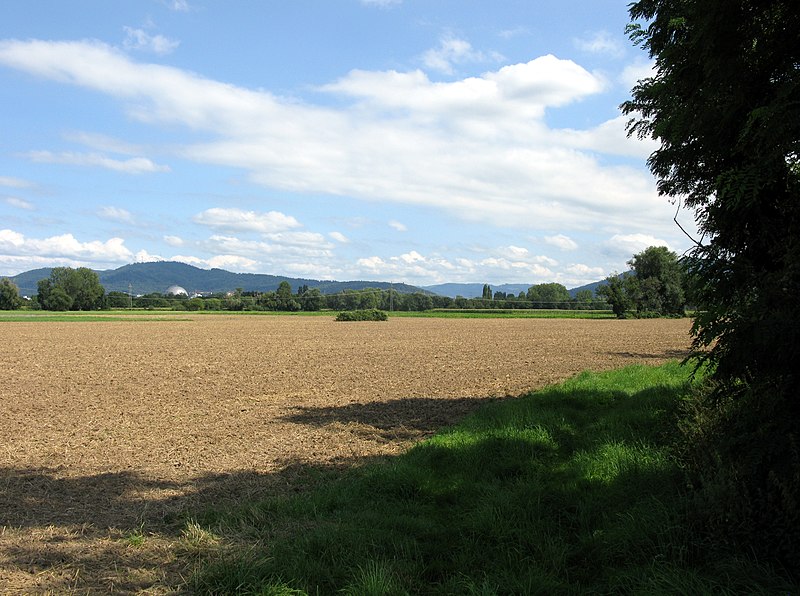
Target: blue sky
423,141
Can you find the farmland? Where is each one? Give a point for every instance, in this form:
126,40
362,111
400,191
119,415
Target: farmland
112,429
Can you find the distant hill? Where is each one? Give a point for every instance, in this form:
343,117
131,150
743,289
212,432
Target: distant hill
146,278
476,290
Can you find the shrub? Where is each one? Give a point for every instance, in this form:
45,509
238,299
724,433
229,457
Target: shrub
372,314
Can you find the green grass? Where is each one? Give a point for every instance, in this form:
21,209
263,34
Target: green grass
570,490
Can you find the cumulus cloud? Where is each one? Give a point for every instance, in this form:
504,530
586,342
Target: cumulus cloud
234,262
139,39
561,241
283,246
510,264
626,245
477,148
238,220
15,244
143,256
18,203
134,165
585,271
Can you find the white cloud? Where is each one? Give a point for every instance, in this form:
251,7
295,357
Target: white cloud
585,271
116,214
339,237
511,33
19,203
245,221
477,148
103,143
65,246
561,241
14,182
601,42
398,226
139,39
452,51
282,246
143,256
633,73
134,165
626,245
173,240
234,262
512,265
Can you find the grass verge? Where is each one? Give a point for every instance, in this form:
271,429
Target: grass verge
570,490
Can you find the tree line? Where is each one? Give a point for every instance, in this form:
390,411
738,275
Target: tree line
656,286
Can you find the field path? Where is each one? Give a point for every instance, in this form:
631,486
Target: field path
111,428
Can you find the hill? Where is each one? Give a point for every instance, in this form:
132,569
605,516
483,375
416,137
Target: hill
476,290
146,278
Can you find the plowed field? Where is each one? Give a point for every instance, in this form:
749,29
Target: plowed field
112,428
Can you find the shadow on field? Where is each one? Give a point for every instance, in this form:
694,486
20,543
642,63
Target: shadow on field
653,355
407,418
116,532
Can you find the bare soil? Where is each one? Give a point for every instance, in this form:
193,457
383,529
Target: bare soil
112,430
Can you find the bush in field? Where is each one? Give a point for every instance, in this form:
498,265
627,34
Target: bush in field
372,314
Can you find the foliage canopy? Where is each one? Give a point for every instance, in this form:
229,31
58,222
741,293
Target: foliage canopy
724,103
9,295
71,289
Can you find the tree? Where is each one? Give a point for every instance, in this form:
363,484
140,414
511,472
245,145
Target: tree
659,281
312,300
724,104
9,295
616,292
81,286
285,299
552,295
487,292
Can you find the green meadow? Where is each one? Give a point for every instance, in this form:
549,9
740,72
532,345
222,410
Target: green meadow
574,489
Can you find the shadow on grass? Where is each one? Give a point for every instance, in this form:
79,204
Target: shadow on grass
71,532
116,532
569,490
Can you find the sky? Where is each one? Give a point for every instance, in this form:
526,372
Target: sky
417,141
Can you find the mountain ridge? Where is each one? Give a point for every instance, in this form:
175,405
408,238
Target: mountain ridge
148,278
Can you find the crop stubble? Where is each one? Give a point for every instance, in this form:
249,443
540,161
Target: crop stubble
107,426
